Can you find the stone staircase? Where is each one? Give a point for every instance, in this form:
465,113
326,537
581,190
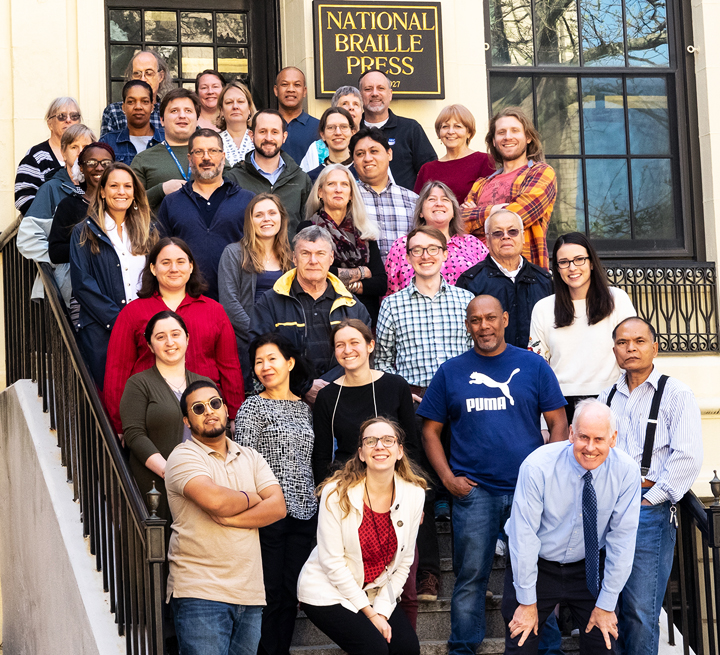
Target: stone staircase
433,624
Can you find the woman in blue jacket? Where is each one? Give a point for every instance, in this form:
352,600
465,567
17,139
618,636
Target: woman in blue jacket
107,257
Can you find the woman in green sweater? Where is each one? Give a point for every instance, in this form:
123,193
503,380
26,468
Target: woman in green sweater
150,406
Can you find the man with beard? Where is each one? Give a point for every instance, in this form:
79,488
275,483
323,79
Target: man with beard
268,169
525,184
208,213
219,494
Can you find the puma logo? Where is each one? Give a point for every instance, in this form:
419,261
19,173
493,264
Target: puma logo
480,378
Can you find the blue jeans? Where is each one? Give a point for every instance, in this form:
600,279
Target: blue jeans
208,627
477,519
550,637
642,597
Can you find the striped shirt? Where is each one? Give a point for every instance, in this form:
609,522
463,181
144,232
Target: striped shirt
678,449
534,191
35,168
417,333
392,209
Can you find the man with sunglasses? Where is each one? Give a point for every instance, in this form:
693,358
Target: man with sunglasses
219,494
515,281
208,212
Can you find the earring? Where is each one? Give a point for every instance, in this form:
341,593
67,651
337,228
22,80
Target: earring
135,206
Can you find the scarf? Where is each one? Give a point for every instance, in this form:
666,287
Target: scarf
350,250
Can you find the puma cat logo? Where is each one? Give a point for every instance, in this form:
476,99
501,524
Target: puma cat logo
480,378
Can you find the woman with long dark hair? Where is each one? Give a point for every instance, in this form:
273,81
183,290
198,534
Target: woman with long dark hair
278,424
368,519
572,329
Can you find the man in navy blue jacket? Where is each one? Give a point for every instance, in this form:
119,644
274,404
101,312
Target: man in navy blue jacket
208,212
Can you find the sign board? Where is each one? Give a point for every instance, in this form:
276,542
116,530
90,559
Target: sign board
403,39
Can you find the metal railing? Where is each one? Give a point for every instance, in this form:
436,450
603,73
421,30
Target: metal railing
127,541
678,298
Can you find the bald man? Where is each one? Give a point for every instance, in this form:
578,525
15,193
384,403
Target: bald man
492,396
302,129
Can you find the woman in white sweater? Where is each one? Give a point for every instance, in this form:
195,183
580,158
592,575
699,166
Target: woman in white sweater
573,329
368,520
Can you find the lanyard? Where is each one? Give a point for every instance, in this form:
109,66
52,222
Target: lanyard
186,176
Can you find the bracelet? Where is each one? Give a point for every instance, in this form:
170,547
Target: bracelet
246,498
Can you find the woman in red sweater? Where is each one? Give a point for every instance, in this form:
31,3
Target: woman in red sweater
171,281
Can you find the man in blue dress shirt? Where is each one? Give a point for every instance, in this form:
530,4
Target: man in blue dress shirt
302,129
576,506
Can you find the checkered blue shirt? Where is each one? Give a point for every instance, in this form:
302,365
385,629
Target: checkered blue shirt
416,333
114,120
392,209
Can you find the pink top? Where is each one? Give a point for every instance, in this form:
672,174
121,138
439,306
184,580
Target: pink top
464,251
458,174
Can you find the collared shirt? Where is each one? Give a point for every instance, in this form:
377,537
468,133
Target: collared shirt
678,449
114,119
233,153
416,333
208,206
318,348
392,209
510,274
301,134
270,177
131,266
208,560
125,149
546,519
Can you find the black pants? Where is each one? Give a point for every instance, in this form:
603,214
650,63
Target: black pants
556,583
285,547
572,402
427,539
356,634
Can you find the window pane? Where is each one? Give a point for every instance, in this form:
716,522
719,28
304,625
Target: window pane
196,60
231,28
557,114
648,116
602,32
233,60
125,25
511,32
608,199
161,26
603,116
647,32
196,27
120,56
170,54
653,199
569,211
557,32
116,91
511,92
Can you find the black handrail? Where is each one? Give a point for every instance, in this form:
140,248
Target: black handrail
128,543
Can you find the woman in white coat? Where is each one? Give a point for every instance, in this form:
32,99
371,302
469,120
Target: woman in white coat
368,520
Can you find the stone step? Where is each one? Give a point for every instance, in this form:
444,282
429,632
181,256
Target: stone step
447,577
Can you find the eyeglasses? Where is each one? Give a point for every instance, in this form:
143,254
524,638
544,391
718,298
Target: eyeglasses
344,129
386,440
94,163
212,152
147,73
578,261
198,408
499,234
433,251
73,116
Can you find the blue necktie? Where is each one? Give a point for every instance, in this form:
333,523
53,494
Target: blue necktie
592,553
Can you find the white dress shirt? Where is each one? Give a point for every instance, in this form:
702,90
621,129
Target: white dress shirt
131,266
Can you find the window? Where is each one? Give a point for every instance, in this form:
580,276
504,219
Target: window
599,79
190,41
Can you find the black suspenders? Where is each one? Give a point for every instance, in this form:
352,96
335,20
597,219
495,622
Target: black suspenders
651,424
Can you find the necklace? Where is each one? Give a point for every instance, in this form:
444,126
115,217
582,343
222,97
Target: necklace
179,388
337,400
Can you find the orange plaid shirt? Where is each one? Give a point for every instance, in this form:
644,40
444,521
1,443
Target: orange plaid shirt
534,191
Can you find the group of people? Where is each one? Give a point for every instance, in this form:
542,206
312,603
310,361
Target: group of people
314,336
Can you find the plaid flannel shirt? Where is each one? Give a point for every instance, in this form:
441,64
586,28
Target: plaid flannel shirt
392,209
114,120
534,191
416,333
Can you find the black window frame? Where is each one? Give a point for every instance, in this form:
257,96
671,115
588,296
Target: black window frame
684,133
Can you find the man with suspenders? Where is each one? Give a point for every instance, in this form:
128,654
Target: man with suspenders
658,421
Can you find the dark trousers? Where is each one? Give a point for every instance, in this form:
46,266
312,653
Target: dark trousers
285,547
572,402
556,583
357,635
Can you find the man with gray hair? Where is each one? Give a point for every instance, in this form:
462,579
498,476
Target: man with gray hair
572,534
515,281
306,302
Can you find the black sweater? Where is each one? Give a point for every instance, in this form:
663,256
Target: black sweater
394,400
70,211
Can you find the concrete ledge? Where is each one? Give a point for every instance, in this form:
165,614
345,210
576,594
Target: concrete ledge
52,596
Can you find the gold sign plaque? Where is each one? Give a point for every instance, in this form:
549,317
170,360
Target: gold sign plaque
403,39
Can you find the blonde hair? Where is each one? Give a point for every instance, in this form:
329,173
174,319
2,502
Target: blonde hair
355,470
251,260
368,228
462,113
235,84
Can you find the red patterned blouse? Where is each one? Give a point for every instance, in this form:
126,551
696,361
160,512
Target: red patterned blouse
378,542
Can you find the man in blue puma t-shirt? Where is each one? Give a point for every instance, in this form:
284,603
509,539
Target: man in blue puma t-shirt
492,396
